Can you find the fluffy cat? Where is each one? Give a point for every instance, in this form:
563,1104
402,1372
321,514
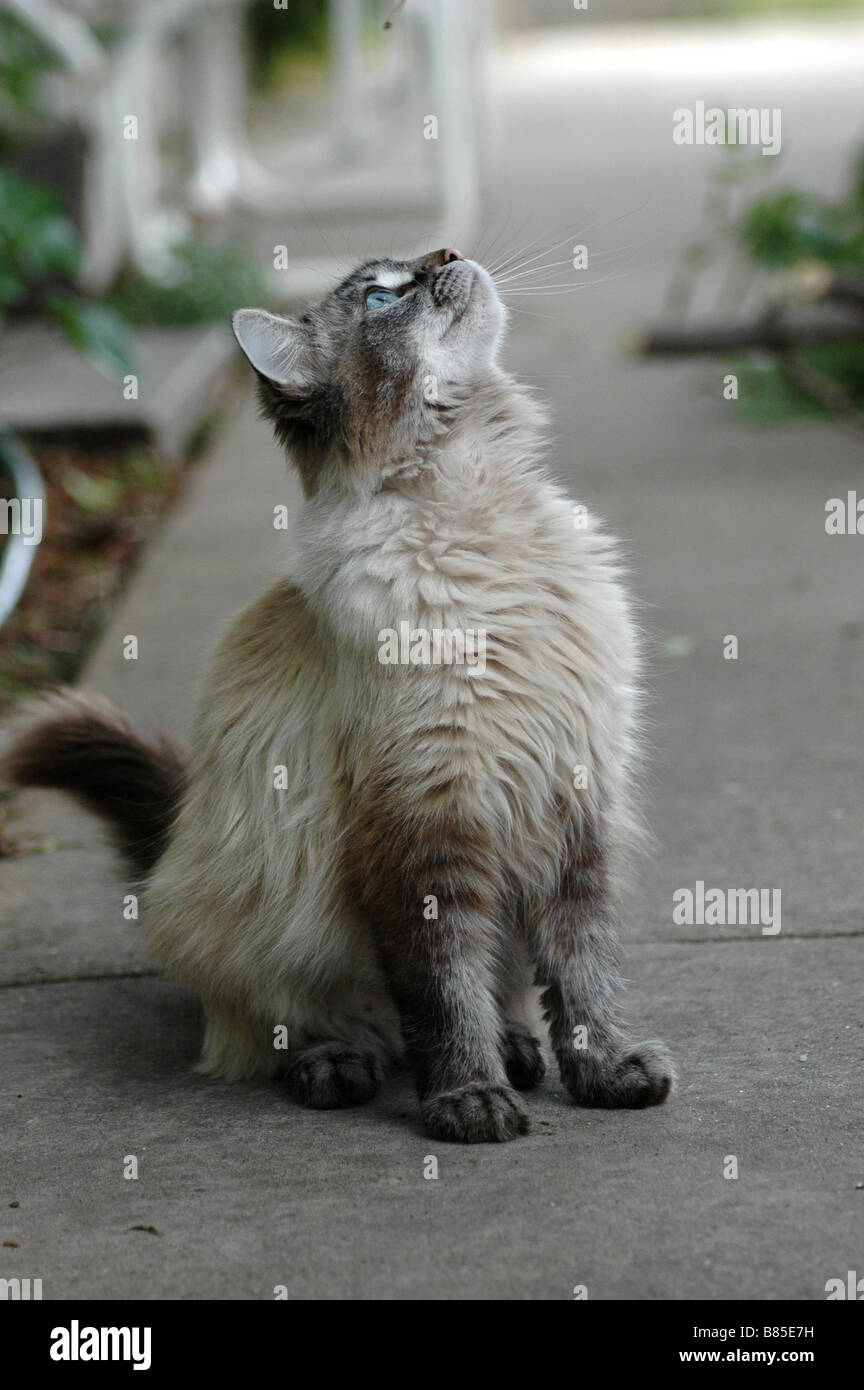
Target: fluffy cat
368,859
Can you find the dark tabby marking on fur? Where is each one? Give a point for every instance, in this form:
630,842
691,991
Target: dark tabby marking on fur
85,746
441,972
574,939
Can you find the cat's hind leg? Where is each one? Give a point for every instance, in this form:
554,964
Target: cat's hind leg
236,1046
333,1075
326,1061
523,1056
572,935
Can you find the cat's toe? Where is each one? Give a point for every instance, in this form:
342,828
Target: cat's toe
643,1076
523,1058
479,1113
334,1077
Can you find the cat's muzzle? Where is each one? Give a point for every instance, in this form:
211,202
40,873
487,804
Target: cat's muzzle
453,285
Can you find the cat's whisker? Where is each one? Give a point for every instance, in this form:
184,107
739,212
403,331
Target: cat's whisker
558,290
538,270
512,268
547,251
548,288
570,288
512,260
533,313
482,255
543,269
565,288
515,254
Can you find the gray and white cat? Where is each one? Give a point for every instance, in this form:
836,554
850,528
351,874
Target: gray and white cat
365,859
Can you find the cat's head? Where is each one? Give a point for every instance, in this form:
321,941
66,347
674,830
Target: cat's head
359,378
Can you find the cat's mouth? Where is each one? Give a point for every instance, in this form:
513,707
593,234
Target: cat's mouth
454,288
470,315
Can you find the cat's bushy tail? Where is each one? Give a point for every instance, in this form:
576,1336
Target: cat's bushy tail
80,743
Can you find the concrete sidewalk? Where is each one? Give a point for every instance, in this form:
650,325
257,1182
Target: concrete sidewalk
756,783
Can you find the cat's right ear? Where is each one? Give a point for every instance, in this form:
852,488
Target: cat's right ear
277,348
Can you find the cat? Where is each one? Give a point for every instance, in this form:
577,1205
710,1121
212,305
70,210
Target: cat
365,860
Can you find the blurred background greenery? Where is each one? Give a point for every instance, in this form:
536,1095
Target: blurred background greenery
209,274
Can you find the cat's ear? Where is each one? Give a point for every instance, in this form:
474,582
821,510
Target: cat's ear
276,347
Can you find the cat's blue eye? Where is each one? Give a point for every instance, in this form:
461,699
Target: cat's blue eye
379,299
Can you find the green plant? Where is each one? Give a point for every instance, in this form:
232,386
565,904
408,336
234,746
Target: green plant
796,231
39,258
40,248
789,249
792,227
203,283
23,62
297,31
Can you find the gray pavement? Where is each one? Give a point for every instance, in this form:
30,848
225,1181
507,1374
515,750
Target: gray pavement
756,782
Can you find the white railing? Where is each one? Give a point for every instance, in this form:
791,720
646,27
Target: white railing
442,46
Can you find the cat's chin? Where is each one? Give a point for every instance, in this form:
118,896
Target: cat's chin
454,288
477,322
459,314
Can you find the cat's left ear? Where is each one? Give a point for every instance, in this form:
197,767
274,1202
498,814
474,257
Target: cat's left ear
276,347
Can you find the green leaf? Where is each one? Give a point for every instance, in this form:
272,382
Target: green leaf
201,283
97,331
24,59
93,495
37,239
792,227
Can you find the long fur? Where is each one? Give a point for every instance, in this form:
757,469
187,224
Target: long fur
80,743
373,859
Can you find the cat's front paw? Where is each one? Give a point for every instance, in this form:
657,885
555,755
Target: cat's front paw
523,1057
479,1113
331,1076
642,1076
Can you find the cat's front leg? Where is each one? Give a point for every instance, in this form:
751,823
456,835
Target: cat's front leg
572,934
429,896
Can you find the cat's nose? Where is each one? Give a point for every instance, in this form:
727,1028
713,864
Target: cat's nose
435,259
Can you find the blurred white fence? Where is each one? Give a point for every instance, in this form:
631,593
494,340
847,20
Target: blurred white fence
132,208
